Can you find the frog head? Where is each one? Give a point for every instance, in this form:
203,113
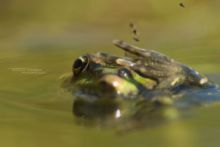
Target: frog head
101,75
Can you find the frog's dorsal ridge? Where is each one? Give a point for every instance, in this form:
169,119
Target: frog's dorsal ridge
168,72
141,52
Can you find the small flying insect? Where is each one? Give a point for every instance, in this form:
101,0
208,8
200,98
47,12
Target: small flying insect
135,33
182,5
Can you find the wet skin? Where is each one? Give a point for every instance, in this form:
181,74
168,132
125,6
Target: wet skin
145,79
139,72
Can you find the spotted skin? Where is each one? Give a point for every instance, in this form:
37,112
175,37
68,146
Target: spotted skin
140,72
165,70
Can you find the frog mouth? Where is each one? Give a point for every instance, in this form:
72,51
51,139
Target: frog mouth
109,87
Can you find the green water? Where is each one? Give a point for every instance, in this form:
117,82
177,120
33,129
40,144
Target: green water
39,42
35,111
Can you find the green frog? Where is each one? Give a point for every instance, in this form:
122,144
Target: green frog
145,80
139,73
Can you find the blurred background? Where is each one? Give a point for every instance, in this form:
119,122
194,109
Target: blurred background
28,24
40,39
53,23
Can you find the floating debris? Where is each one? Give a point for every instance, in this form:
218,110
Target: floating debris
23,70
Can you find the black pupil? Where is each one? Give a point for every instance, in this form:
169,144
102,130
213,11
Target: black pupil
78,63
124,73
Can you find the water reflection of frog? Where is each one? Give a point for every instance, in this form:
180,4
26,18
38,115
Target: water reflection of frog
143,79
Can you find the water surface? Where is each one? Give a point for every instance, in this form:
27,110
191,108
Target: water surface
35,111
40,40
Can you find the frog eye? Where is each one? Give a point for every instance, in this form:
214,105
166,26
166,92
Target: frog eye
80,65
125,73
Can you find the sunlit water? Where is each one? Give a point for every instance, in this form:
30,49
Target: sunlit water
35,111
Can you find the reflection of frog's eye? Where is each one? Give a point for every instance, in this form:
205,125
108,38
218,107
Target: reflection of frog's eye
80,65
124,73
